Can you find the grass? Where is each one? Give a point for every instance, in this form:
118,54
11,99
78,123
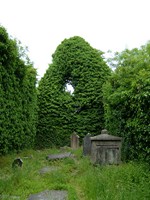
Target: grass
82,180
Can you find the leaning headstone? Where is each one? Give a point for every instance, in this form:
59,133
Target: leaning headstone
58,156
50,195
17,163
74,141
87,145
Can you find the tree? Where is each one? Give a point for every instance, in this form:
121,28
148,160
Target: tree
17,96
127,105
60,113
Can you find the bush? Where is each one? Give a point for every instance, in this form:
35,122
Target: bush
127,102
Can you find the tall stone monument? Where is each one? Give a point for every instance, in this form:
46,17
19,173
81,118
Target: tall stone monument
74,141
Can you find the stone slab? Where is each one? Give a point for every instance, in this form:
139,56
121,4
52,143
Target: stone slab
50,195
58,156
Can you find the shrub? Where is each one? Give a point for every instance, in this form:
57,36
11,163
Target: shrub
127,102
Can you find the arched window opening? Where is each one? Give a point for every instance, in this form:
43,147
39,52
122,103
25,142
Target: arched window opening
69,88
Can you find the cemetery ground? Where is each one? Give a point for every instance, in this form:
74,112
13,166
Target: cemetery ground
74,174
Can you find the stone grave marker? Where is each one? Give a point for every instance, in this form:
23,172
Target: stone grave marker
74,141
17,163
50,195
87,145
58,156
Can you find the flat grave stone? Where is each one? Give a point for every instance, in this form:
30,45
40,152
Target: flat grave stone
58,156
50,195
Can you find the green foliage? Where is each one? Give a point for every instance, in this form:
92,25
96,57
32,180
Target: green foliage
127,181
127,102
60,113
17,97
22,182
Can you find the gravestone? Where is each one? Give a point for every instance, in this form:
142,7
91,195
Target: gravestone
87,145
58,156
50,195
17,163
74,141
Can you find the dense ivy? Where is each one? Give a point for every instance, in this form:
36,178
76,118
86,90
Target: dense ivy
127,101
17,96
60,113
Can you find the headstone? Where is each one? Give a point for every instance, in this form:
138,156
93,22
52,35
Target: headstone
50,195
17,163
58,156
87,145
74,141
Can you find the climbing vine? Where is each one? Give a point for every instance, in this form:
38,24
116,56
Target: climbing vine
60,113
17,96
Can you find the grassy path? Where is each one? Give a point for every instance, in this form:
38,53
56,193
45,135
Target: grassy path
83,181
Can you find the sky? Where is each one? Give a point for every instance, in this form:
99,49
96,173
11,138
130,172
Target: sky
42,25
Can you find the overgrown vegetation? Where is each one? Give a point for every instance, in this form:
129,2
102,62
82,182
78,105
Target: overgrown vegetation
60,113
76,175
117,100
127,102
17,96
122,105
